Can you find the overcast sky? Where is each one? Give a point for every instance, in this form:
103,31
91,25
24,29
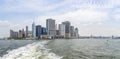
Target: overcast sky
92,17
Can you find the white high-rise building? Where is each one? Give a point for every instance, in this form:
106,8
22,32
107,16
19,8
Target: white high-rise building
62,30
51,27
33,30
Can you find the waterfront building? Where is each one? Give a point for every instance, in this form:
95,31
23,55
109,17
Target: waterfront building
72,31
43,31
29,34
76,33
56,27
57,32
62,30
27,31
23,33
13,34
51,27
20,34
67,29
38,31
33,30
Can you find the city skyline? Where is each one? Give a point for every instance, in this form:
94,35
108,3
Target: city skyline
92,17
52,31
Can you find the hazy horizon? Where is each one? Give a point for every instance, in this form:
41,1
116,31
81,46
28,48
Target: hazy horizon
92,17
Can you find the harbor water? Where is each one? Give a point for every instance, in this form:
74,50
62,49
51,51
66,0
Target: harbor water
60,49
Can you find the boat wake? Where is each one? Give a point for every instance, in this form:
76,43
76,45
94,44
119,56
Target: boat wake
35,50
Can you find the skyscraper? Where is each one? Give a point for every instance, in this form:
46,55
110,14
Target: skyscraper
72,31
13,34
44,31
67,28
33,30
62,30
76,33
27,31
50,26
23,33
38,31
20,34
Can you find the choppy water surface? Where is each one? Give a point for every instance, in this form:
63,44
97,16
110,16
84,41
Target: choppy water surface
60,49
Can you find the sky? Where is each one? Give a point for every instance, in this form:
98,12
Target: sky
92,17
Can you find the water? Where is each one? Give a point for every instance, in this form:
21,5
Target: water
60,49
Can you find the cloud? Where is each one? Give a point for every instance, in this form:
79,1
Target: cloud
28,6
87,15
116,13
4,28
79,16
51,6
99,30
90,21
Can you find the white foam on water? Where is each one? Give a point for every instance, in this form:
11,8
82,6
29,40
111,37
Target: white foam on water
35,50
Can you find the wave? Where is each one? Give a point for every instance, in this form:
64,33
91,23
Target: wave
35,50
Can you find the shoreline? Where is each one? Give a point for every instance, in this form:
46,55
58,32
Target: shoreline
63,39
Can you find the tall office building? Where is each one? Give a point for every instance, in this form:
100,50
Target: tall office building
56,27
50,26
72,31
76,33
43,31
13,34
27,31
23,33
20,34
62,30
33,30
38,31
67,29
